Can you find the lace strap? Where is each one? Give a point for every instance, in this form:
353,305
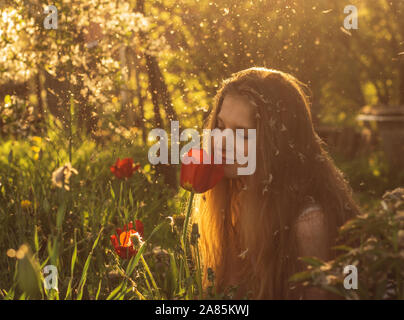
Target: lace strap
306,213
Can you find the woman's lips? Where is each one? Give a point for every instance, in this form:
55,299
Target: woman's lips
224,158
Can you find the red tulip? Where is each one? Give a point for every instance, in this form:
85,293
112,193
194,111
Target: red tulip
124,168
200,177
124,246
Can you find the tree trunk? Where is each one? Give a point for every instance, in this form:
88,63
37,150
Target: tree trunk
156,85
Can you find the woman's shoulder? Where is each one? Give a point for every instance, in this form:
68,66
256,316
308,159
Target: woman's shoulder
311,231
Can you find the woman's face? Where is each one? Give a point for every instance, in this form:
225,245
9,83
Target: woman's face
235,113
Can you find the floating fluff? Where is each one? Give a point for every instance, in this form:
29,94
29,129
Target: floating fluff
243,254
319,157
61,176
272,122
302,157
268,182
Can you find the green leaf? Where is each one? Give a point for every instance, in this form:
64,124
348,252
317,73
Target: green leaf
343,248
83,278
36,242
112,192
300,276
115,291
99,290
60,215
312,261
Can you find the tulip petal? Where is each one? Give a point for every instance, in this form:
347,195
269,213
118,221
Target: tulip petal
139,227
114,241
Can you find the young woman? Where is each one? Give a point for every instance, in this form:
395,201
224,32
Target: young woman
253,228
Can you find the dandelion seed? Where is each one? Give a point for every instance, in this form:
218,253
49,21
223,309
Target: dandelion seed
243,254
283,127
319,157
301,157
270,178
345,31
171,219
310,199
61,176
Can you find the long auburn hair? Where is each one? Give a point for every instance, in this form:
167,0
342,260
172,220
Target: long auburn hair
246,224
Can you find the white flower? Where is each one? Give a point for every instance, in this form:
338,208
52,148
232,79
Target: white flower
61,176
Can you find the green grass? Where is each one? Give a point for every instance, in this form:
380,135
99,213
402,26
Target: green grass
71,229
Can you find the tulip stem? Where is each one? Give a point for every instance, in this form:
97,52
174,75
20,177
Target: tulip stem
184,232
184,238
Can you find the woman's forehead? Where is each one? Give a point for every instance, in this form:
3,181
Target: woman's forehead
236,111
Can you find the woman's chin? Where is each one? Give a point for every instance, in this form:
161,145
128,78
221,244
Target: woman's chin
230,171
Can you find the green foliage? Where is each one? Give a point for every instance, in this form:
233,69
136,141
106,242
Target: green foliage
374,244
370,175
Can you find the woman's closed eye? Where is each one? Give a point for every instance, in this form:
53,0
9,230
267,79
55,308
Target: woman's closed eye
220,125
